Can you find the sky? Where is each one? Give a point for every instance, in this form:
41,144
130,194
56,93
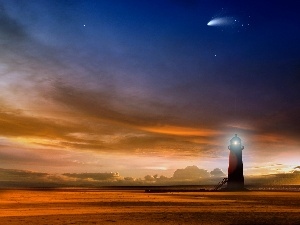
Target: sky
142,89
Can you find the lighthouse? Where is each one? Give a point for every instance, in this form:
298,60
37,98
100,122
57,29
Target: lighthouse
235,168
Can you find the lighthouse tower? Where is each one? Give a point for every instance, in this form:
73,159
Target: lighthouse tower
235,168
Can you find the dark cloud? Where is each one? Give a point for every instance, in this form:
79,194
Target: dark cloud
109,105
22,178
283,123
10,30
94,176
20,175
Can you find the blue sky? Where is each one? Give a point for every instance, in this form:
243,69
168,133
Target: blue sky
144,87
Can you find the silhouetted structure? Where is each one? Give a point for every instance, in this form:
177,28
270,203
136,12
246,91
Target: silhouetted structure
220,184
235,169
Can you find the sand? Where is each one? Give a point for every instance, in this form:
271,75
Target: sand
136,207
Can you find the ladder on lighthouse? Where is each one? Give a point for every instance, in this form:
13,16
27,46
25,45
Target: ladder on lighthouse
221,183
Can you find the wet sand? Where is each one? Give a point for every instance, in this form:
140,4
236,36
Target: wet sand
137,207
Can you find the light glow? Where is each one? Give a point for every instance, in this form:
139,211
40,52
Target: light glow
221,21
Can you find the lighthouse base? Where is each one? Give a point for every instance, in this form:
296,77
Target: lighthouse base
233,190
235,183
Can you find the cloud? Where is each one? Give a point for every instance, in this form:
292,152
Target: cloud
16,124
292,178
23,178
111,177
190,173
89,92
10,30
217,172
57,99
111,106
22,130
20,175
149,178
281,126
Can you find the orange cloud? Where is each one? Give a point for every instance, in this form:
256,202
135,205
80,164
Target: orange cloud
182,131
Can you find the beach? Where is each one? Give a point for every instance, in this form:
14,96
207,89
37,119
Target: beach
84,206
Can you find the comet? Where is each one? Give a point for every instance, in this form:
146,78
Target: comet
221,21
